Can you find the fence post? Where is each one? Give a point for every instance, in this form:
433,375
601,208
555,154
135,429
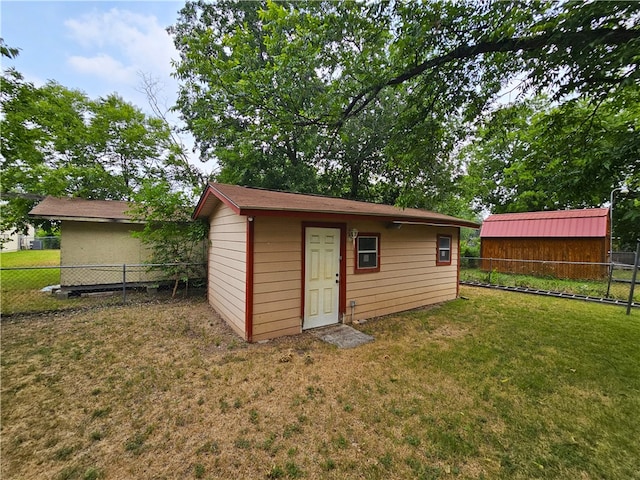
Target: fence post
124,283
610,279
633,278
490,269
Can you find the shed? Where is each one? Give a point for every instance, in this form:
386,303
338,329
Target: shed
282,262
94,233
578,236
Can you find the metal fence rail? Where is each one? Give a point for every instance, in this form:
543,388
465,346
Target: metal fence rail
584,280
49,288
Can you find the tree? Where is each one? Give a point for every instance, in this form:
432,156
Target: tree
57,141
367,99
127,143
233,119
567,47
178,168
251,74
7,51
177,242
540,156
34,162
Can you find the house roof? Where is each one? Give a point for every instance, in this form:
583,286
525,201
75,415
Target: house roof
254,202
82,210
592,222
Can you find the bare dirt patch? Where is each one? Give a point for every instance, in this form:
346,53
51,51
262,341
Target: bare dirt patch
449,331
444,334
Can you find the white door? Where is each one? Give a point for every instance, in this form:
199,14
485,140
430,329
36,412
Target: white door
322,276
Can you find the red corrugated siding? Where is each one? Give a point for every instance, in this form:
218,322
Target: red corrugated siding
562,223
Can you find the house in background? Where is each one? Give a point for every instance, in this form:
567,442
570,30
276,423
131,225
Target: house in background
551,236
95,232
280,263
12,242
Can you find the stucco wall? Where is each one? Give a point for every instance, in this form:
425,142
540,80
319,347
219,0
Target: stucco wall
89,243
227,266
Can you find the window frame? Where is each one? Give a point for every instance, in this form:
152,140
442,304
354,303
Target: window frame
439,249
357,252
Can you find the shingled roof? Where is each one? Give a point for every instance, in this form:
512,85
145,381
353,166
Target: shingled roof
254,201
82,210
591,222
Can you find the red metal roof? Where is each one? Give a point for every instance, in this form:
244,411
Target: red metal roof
592,222
255,201
80,209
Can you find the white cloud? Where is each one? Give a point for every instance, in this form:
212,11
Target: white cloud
114,46
120,42
100,64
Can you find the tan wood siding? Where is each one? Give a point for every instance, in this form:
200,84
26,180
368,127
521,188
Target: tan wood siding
227,266
277,277
408,276
276,287
592,250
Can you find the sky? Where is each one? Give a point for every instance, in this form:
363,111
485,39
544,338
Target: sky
99,47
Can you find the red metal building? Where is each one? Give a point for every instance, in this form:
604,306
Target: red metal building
576,236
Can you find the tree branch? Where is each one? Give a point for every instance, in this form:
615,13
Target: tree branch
527,44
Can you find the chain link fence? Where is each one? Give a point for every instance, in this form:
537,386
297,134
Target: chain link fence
42,243
625,258
587,279
44,289
12,243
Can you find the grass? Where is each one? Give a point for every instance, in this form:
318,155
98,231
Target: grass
21,288
594,288
502,385
33,278
30,258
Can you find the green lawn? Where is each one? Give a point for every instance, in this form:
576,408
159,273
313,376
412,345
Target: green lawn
30,258
498,385
24,274
594,288
21,288
29,277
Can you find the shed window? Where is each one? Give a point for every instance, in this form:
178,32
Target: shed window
367,253
444,250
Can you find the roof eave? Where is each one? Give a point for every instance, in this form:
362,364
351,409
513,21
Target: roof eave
85,219
204,206
398,219
437,223
543,236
